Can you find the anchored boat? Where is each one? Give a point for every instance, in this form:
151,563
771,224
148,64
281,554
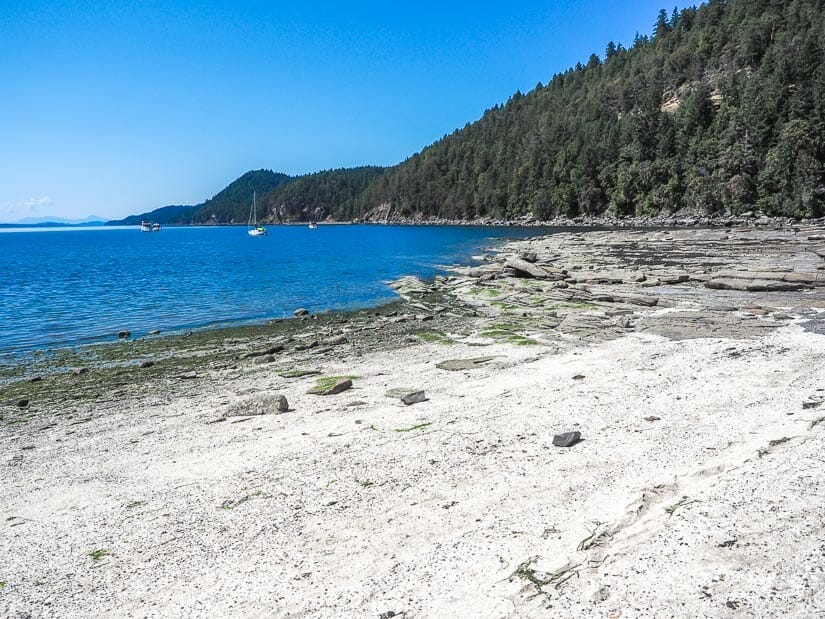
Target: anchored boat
253,228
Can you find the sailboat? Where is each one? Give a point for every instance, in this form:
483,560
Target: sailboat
253,228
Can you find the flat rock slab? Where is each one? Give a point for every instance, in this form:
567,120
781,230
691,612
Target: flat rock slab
339,387
259,404
335,341
686,325
457,365
298,373
753,285
568,439
522,268
399,392
262,353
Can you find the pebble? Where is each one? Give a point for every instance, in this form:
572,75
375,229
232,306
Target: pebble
413,398
568,439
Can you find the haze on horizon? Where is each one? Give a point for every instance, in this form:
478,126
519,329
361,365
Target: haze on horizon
118,109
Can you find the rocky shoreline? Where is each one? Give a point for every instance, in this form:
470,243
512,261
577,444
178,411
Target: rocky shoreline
663,220
615,423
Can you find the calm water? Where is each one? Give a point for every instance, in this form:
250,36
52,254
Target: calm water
69,286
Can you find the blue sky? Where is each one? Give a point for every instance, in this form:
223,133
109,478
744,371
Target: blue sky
121,107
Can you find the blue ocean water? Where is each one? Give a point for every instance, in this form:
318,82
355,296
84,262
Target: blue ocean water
71,286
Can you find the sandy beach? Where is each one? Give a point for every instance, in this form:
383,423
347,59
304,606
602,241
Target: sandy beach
165,482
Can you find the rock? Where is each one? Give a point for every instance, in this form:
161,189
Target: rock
809,279
414,398
528,256
339,387
523,268
810,405
301,312
674,279
568,439
753,285
146,364
262,353
399,392
335,341
258,404
297,373
637,299
474,272
123,335
456,365
307,346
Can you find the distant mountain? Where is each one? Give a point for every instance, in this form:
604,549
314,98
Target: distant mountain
165,215
29,221
230,205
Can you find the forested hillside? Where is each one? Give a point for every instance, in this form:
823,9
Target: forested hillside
719,109
231,205
333,193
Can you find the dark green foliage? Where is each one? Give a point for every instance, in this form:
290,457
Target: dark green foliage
318,196
722,109
163,215
231,205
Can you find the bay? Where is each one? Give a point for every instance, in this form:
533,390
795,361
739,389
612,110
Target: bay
69,286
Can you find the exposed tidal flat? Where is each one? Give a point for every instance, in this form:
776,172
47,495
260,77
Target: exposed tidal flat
208,474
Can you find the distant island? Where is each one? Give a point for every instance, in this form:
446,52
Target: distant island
721,110
54,222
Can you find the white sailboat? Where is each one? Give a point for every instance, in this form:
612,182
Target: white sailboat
253,228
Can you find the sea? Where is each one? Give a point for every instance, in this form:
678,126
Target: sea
71,286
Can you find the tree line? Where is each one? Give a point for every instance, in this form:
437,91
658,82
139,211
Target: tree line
719,109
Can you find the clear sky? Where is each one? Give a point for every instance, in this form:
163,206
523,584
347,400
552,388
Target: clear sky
112,108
